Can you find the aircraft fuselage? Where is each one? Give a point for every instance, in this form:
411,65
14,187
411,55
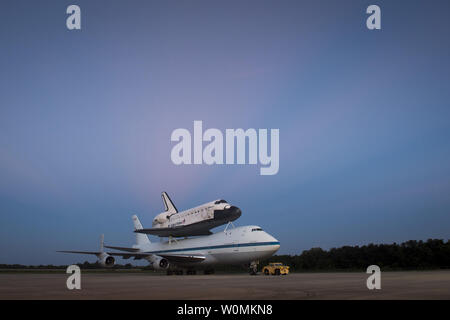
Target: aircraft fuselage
234,246
193,222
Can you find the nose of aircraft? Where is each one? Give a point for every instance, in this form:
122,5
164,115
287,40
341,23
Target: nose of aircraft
228,214
234,212
275,243
276,247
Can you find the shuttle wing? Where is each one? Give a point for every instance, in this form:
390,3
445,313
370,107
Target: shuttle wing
182,231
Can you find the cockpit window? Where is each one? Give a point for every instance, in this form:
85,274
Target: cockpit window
257,229
220,201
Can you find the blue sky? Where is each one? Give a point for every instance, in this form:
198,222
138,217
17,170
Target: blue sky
86,118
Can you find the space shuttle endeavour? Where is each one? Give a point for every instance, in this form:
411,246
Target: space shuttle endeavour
192,222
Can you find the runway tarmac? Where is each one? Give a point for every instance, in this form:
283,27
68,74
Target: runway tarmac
394,285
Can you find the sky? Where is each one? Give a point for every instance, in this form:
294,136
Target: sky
86,118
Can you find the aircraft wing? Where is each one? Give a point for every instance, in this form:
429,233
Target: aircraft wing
128,255
180,258
123,249
157,231
124,255
81,252
173,258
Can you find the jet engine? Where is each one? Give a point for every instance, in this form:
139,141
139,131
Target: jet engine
107,261
159,263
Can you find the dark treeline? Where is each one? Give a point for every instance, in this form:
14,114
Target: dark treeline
410,255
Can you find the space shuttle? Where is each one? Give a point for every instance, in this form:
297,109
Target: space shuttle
192,222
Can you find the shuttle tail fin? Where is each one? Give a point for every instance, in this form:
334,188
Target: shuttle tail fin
141,238
168,204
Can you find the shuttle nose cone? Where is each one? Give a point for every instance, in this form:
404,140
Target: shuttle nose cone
234,212
229,214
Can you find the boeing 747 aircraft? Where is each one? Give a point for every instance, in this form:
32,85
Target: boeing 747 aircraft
235,246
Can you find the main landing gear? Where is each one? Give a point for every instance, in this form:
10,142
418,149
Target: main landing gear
177,272
180,272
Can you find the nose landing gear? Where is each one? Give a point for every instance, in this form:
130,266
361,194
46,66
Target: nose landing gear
254,268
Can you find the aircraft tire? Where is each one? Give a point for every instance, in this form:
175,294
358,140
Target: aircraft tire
254,270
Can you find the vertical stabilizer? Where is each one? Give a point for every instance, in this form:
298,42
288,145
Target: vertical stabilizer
102,243
168,204
141,238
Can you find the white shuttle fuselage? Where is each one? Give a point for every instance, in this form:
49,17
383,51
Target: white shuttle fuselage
192,222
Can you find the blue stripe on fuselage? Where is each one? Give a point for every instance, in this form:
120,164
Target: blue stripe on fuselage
254,244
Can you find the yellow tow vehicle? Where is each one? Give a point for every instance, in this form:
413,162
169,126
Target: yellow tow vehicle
275,268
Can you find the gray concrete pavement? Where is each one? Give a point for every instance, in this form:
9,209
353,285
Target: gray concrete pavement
394,285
